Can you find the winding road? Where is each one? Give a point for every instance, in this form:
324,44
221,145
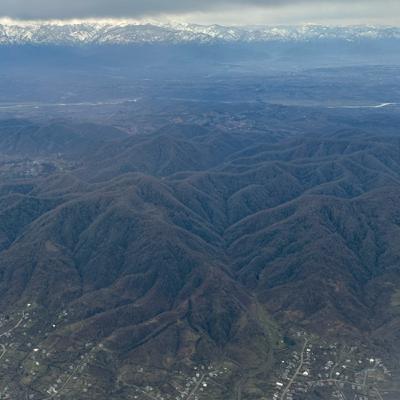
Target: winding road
297,372
14,327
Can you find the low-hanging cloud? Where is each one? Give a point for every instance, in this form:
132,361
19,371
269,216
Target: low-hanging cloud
34,9
66,9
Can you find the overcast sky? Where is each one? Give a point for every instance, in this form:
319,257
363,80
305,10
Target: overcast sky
212,11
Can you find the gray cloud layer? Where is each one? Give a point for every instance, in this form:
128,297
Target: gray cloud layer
118,8
61,9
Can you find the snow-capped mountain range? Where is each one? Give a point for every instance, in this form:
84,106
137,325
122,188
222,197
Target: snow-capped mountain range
130,32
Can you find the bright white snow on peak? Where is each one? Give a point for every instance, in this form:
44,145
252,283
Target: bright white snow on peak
126,31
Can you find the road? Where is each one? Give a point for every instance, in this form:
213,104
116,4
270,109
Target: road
297,372
337,381
196,388
151,397
378,394
14,327
3,351
64,385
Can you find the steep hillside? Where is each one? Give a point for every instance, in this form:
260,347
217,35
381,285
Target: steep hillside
192,249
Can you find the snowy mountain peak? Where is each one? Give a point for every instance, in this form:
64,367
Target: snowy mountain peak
130,31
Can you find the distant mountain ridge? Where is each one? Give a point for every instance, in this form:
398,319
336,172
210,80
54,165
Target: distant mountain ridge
129,32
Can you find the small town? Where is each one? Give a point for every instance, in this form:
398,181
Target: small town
331,370
310,368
